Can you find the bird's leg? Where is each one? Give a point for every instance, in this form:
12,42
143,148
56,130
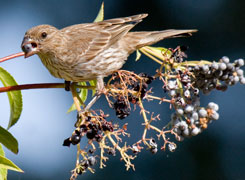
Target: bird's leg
99,89
67,85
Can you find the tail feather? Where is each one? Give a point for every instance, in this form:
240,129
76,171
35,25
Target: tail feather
140,39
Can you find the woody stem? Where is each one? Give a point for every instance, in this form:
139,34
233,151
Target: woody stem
39,86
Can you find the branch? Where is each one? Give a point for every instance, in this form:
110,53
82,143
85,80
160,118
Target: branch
39,86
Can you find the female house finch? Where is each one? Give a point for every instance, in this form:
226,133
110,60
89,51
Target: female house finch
90,51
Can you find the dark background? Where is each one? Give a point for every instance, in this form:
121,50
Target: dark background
217,153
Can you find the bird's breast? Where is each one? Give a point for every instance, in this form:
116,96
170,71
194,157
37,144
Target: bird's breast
104,64
78,68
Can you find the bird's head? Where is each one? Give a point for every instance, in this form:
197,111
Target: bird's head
37,38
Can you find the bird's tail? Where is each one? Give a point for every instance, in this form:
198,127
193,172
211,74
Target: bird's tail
137,40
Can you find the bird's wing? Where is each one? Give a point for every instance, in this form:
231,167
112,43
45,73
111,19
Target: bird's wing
90,39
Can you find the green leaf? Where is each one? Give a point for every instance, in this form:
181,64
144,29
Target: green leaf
93,83
100,16
5,163
82,94
8,140
138,55
3,171
15,97
1,151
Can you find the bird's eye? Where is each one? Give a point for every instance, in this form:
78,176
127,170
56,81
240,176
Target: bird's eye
44,35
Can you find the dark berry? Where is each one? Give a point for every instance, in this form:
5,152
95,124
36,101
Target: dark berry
105,127
133,99
121,108
91,134
91,151
120,103
122,113
84,164
148,79
222,87
77,132
98,137
136,86
90,126
143,90
67,142
83,128
75,139
153,150
88,118
111,152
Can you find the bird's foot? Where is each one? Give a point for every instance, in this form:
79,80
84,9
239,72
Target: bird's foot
67,85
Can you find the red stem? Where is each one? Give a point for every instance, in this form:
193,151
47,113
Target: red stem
31,86
39,86
12,56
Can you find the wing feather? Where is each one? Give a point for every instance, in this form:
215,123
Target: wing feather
93,38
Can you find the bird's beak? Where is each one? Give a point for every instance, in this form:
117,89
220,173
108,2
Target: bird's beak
29,47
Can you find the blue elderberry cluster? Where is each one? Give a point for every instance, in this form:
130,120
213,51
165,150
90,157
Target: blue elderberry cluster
189,118
192,119
218,75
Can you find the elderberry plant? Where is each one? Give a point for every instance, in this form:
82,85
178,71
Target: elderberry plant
182,83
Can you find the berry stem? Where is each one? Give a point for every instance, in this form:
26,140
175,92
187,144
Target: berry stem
146,123
102,157
78,153
158,98
127,158
194,63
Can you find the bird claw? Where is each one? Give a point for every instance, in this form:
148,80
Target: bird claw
67,85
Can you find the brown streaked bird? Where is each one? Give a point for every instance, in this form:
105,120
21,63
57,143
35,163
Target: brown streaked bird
90,51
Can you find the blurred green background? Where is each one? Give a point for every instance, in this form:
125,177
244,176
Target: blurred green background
217,153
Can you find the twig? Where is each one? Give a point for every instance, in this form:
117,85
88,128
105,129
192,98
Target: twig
12,56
